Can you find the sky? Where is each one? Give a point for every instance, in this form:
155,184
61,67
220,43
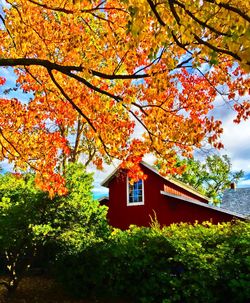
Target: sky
236,139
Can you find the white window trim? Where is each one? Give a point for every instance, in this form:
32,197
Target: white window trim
135,203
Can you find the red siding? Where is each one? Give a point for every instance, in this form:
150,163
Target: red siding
168,210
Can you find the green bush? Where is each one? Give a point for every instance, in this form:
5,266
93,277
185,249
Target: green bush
179,263
35,229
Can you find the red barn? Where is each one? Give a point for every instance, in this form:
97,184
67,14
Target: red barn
170,200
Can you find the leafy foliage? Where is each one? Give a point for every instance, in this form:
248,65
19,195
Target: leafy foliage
180,263
20,206
97,67
30,220
210,178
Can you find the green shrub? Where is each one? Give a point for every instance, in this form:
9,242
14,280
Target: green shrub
179,263
34,228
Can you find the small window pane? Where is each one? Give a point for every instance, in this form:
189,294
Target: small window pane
135,192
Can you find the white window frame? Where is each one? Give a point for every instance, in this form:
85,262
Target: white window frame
134,203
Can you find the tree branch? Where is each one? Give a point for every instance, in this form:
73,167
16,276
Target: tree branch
77,109
70,11
153,8
89,85
202,23
216,49
67,70
172,8
231,8
15,149
70,101
180,44
2,19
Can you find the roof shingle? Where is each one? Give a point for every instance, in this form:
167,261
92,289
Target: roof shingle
237,200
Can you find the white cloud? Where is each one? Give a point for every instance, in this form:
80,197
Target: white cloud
8,75
100,176
236,140
244,183
6,166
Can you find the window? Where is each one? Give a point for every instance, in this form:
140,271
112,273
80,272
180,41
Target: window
135,193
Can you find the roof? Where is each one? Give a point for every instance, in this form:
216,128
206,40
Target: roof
106,181
237,200
216,208
172,180
103,199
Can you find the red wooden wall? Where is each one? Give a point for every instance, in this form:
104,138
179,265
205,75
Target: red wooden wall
168,210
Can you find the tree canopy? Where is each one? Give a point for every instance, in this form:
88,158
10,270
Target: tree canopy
98,68
211,177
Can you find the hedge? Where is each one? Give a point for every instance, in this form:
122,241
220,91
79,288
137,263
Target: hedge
179,263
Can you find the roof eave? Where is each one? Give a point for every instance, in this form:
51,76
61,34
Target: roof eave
105,182
103,198
229,212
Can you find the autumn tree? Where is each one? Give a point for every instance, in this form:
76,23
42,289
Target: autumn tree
115,64
210,177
